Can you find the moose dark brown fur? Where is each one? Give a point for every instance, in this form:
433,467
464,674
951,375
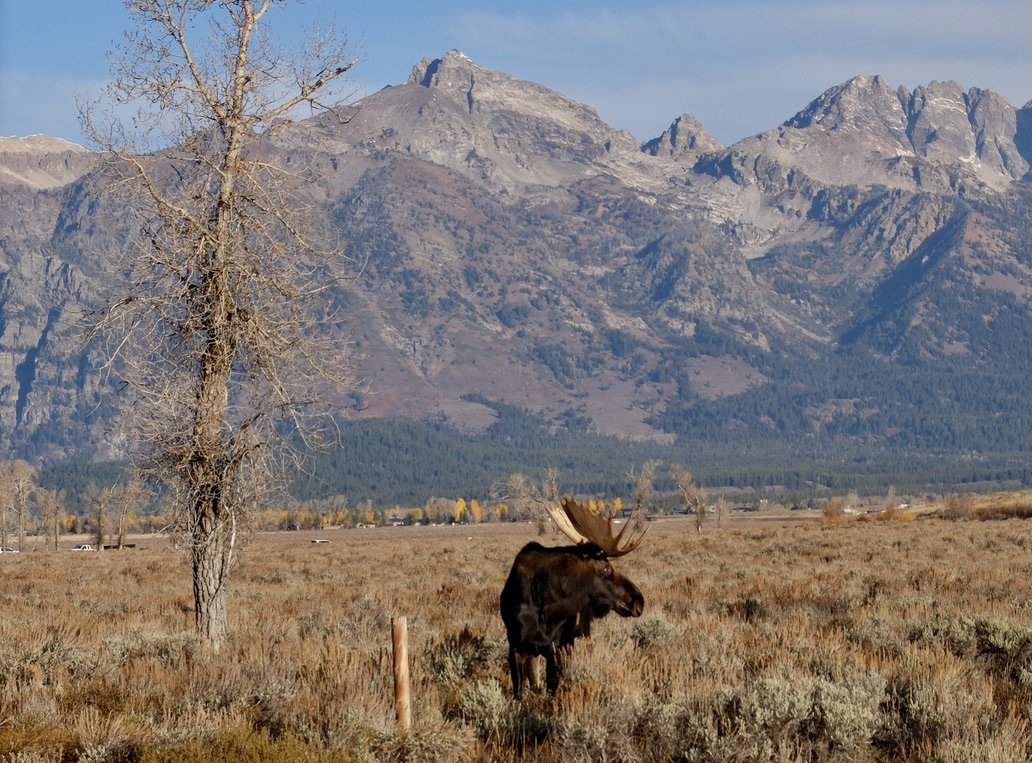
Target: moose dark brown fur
552,595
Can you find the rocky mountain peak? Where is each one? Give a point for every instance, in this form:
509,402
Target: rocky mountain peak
42,162
458,77
455,67
484,124
978,127
937,138
861,103
685,138
938,122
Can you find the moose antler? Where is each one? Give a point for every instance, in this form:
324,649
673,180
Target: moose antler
582,525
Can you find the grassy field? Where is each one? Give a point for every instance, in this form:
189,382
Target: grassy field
793,637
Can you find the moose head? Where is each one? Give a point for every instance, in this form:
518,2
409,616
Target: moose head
552,595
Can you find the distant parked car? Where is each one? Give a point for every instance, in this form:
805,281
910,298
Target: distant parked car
83,547
8,550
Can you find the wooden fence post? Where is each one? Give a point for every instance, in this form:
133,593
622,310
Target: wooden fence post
402,692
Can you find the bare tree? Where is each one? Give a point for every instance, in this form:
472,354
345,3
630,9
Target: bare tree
643,482
525,494
99,500
721,507
17,481
212,331
126,497
5,502
51,508
689,492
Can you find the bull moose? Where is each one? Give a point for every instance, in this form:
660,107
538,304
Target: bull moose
553,594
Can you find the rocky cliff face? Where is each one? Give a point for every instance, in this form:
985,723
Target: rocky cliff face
938,139
48,379
515,247
42,163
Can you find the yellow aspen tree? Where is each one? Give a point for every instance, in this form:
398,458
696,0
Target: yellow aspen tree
460,509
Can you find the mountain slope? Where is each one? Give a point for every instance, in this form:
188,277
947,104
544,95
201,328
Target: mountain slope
838,283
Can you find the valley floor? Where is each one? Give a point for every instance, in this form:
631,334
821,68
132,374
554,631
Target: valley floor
789,636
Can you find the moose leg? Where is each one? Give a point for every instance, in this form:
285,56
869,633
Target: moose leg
531,670
516,664
553,668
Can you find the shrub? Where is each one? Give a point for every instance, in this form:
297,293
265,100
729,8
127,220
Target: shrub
655,632
958,506
765,719
933,701
1004,509
845,714
895,514
891,642
488,708
460,656
503,723
833,511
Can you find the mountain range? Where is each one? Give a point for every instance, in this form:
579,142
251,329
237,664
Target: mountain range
855,282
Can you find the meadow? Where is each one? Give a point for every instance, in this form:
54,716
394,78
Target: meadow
800,636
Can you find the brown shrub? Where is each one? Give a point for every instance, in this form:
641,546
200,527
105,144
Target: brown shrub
833,511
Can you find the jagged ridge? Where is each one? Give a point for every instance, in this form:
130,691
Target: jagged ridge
517,248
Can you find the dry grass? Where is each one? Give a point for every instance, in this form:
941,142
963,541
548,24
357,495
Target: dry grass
771,639
1005,506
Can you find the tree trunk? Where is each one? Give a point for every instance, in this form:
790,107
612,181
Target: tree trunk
209,577
100,520
212,460
20,514
212,518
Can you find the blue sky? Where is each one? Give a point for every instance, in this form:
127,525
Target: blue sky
739,66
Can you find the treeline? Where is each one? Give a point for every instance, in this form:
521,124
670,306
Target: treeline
864,405
73,479
400,461
382,463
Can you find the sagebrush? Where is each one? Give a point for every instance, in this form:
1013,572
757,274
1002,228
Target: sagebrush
772,638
